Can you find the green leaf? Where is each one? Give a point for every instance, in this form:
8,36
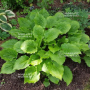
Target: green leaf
67,77
2,10
7,67
84,38
74,38
70,49
40,20
29,46
38,32
58,57
76,58
9,13
88,52
59,15
33,14
53,79
17,46
35,60
50,21
74,27
31,75
24,22
21,34
44,12
9,44
87,60
3,18
64,27
46,82
51,34
54,48
43,54
55,70
21,63
6,26
8,54
84,47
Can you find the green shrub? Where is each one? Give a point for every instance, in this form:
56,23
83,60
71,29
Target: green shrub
43,43
4,25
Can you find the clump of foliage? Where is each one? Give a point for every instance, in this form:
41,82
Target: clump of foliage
13,21
12,4
4,25
43,43
81,15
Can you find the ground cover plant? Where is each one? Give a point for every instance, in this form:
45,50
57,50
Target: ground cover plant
4,25
42,45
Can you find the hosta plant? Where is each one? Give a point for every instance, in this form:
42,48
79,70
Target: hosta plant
41,47
4,25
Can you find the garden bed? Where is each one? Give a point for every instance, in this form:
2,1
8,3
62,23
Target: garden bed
81,75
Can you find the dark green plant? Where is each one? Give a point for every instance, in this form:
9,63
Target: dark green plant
3,35
80,15
4,25
12,4
13,21
42,46
45,3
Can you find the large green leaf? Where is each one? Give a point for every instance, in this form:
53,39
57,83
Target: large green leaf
51,34
40,20
84,38
7,67
58,57
44,12
87,60
38,32
88,52
24,22
21,34
9,44
31,75
74,38
74,27
29,46
6,26
21,63
76,58
33,14
35,60
9,13
59,15
53,79
3,18
70,49
64,27
17,46
8,54
84,47
50,21
55,70
67,77
54,48
43,54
